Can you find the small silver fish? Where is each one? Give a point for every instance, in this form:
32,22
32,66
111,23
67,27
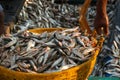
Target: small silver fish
66,67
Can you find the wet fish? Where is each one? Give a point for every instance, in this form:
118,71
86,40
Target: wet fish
47,51
52,15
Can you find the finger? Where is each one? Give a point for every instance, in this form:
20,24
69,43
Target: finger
106,31
98,29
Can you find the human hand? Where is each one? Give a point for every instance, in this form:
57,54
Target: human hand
101,21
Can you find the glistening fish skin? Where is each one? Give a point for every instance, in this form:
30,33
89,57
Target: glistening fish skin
46,52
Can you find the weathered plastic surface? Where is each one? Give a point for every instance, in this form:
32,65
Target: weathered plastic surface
80,72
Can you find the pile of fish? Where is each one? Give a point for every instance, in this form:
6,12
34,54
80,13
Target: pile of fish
45,13
46,52
109,56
